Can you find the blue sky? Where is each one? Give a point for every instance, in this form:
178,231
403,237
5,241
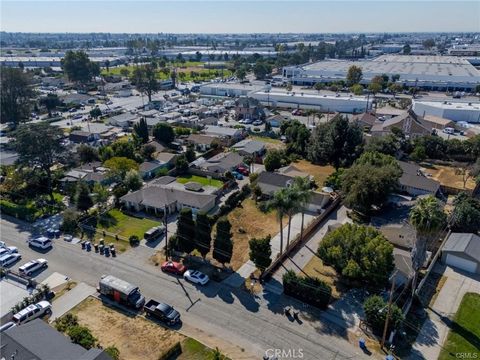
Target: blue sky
235,16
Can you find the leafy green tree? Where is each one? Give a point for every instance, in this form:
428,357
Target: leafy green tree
66,322
261,70
297,136
407,49
147,151
203,233
334,180
100,193
357,89
122,148
354,75
222,244
337,142
369,182
374,87
428,43
95,112
273,159
164,133
307,289
241,73
113,352
132,180
144,79
375,309
87,153
185,231
78,67
119,166
140,129
15,95
69,221
82,336
181,164
359,253
260,252
319,86
83,201
50,102
466,215
105,153
190,153
40,145
388,145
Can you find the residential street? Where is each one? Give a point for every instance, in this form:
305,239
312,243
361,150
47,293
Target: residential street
251,324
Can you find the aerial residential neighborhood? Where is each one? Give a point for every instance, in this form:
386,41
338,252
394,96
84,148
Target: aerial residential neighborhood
234,182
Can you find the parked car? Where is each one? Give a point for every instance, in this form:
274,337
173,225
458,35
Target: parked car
173,267
154,233
10,249
257,122
162,312
196,277
32,312
30,267
9,259
41,243
243,170
237,175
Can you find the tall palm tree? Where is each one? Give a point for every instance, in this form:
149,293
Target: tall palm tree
428,218
280,204
305,193
293,206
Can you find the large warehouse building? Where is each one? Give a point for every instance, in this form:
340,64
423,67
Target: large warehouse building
456,111
439,73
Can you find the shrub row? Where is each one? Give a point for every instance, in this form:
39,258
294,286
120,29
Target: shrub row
310,290
234,200
172,353
19,211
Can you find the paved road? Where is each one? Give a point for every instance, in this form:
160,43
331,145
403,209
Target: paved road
244,326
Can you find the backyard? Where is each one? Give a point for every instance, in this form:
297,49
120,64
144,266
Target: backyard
464,335
320,173
269,142
447,176
249,222
200,179
113,328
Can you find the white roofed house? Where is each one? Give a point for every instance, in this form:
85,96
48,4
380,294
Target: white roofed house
462,250
228,135
124,120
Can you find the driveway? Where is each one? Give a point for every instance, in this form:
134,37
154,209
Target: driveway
435,329
70,299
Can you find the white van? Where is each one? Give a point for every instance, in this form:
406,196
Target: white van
32,312
449,130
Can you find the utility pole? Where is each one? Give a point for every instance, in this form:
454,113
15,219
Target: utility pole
165,220
389,308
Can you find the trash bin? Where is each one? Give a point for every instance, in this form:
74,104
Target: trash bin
83,244
106,251
362,343
95,246
88,245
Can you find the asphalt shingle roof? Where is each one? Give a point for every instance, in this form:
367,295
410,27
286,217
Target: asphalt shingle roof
465,243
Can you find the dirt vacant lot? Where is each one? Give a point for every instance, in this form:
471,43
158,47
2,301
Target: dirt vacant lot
249,222
316,268
320,173
135,337
447,176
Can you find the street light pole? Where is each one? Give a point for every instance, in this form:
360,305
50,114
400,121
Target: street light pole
165,220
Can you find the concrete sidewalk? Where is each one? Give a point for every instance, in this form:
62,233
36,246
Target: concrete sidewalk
238,278
435,329
69,300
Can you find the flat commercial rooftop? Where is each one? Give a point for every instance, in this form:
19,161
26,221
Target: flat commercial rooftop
435,66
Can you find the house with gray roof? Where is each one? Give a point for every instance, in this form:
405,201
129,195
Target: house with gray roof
249,147
414,182
462,250
36,340
123,120
222,162
155,198
228,135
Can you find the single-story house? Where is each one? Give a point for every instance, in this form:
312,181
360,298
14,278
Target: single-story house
213,121
410,123
277,120
223,162
150,169
403,266
438,123
166,159
158,147
231,135
202,143
249,147
462,250
414,182
40,341
124,120
91,173
318,201
365,120
157,198
293,171
75,99
83,137
271,182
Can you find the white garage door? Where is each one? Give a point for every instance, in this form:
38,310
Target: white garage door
461,263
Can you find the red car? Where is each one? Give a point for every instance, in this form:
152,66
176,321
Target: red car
243,170
173,267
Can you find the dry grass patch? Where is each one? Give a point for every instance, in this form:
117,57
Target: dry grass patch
447,176
269,142
316,268
320,173
249,222
135,337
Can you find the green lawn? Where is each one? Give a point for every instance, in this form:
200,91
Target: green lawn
464,335
124,225
200,179
194,350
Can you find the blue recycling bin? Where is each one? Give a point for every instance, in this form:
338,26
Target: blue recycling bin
362,343
390,357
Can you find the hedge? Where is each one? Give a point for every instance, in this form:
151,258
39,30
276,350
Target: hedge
19,211
310,290
171,353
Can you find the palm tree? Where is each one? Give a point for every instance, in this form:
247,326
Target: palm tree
427,217
292,206
217,355
305,193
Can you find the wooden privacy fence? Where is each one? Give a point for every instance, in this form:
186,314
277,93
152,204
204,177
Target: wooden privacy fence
298,241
